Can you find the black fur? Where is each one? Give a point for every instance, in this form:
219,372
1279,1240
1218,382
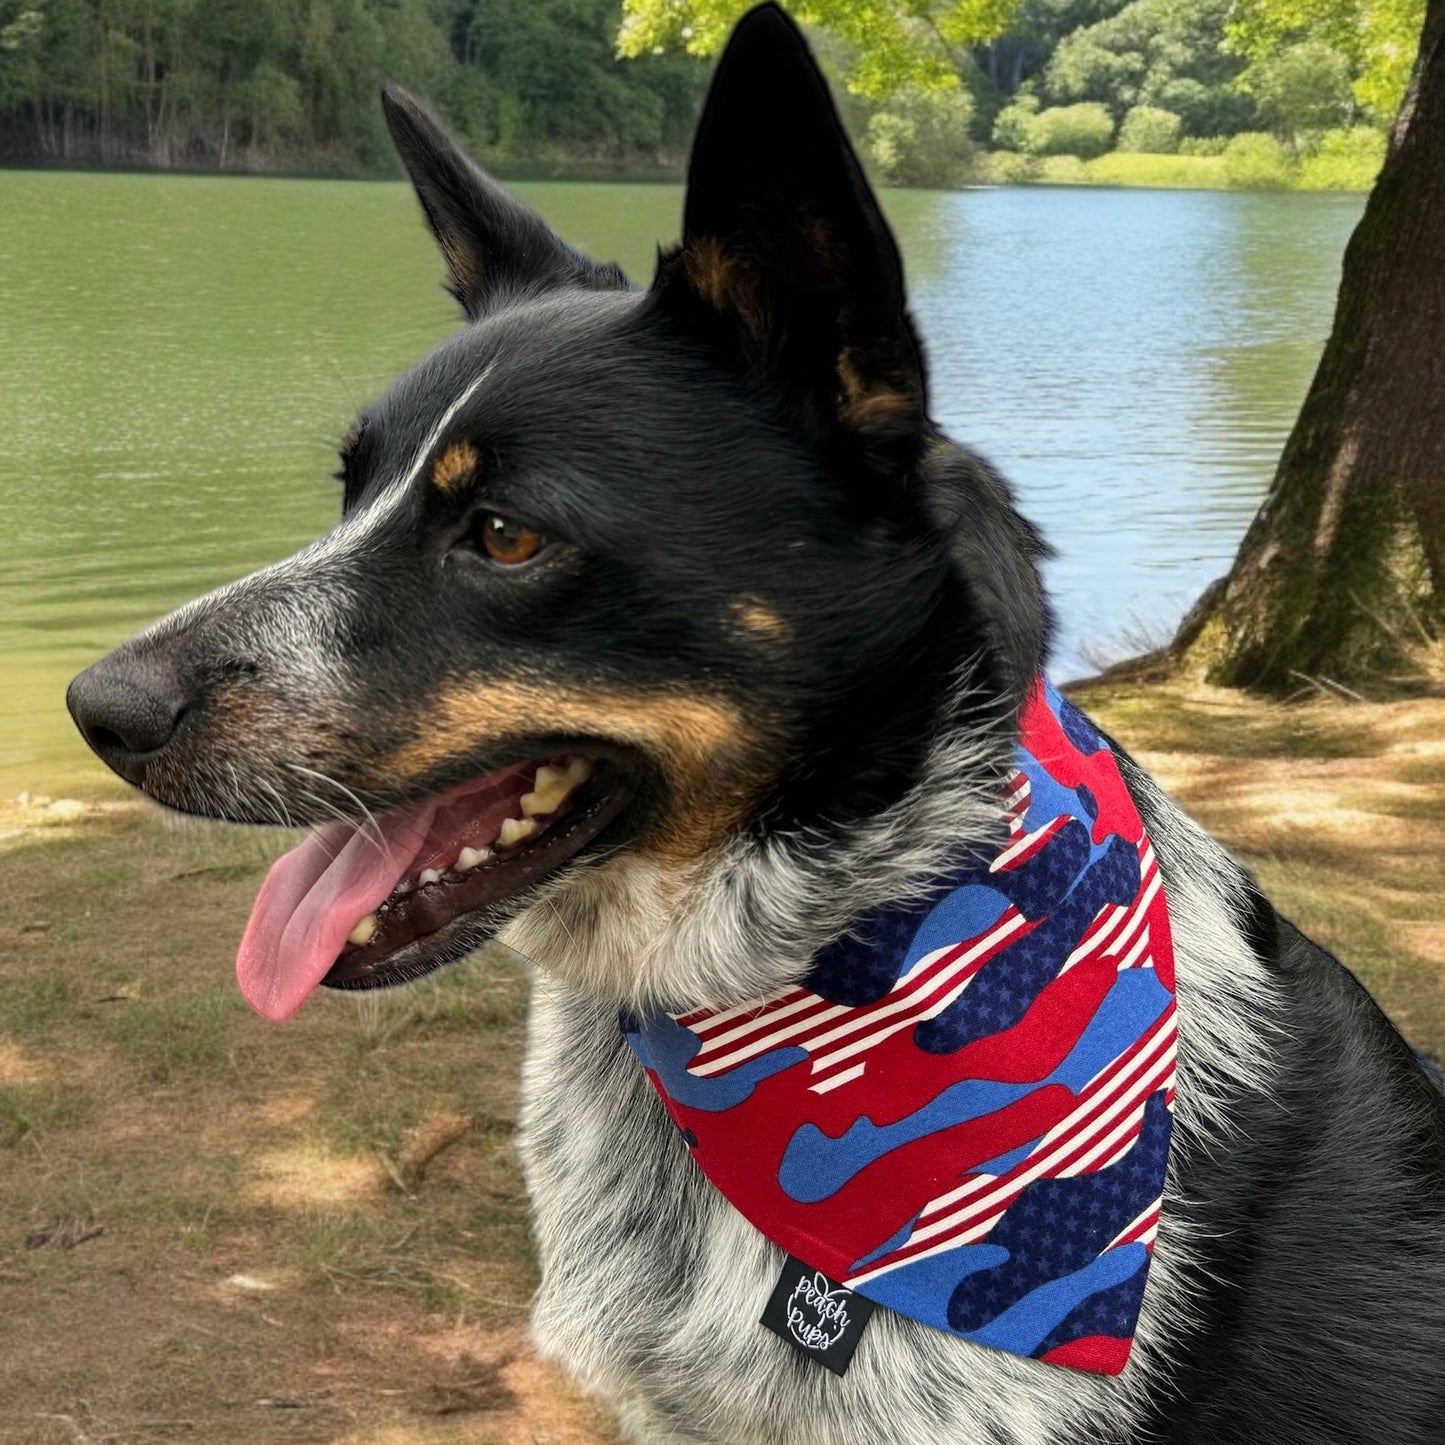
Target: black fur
1321,1225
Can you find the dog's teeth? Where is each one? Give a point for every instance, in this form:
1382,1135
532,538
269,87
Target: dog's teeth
430,875
514,830
363,931
544,800
468,858
552,786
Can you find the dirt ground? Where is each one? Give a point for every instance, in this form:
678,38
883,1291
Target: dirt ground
216,1230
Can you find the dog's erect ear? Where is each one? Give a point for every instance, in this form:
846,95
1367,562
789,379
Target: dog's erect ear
492,243
785,254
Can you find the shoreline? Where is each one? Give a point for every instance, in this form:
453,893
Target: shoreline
1116,170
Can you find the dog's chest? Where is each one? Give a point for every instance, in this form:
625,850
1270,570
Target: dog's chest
652,1285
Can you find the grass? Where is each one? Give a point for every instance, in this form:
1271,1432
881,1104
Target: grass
1337,807
318,1232
1167,172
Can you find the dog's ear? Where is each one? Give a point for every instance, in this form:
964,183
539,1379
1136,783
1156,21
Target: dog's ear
492,243
785,256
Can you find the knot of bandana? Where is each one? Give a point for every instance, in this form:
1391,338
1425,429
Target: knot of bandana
963,1112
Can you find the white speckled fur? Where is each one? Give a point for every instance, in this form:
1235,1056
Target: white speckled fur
652,1284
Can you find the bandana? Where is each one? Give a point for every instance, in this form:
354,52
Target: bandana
963,1111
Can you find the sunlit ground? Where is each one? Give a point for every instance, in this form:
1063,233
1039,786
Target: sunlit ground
217,1230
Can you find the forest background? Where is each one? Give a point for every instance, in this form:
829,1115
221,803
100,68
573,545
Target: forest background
1251,93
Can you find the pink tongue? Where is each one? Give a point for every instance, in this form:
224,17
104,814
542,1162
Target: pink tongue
313,897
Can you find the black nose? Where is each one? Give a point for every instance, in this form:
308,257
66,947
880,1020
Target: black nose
127,710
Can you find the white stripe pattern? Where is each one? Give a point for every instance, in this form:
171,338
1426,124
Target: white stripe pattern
1103,1125
835,1033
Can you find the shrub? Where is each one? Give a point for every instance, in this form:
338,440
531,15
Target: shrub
1011,124
1203,145
1257,162
1122,168
1344,160
920,138
1148,130
1085,130
1063,171
1008,168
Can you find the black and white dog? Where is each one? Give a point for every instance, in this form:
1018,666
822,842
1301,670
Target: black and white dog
664,635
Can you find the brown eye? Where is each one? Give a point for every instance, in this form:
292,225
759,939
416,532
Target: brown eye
506,540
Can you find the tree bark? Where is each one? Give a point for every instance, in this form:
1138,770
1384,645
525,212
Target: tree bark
1344,565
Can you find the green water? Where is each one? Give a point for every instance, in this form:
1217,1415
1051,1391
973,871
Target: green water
181,354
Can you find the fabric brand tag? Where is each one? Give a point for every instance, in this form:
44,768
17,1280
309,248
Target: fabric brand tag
817,1315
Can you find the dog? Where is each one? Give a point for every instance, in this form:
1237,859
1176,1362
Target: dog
664,637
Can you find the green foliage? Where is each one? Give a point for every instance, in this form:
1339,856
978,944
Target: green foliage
1011,125
1086,130
537,86
1304,87
1344,160
272,103
921,138
21,28
1379,39
1203,145
1257,162
1063,171
1181,172
893,45
1158,53
265,83
1150,130
1008,168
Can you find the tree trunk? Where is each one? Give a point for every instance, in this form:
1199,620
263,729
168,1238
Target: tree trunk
1344,565
1003,62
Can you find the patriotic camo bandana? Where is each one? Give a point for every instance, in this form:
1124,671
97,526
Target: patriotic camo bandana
963,1111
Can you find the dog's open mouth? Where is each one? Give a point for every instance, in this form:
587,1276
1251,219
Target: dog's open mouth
366,905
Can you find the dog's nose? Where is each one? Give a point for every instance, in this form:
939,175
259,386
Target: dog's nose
127,711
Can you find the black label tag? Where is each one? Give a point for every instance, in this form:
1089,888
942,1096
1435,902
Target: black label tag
817,1315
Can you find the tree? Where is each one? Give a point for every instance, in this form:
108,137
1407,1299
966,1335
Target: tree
294,82
21,27
1165,53
1304,87
1378,37
1345,562
1032,37
920,138
894,43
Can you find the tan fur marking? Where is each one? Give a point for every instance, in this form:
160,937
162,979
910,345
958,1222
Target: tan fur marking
757,617
702,745
725,281
453,466
869,402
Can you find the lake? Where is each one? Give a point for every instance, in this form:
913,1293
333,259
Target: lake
182,353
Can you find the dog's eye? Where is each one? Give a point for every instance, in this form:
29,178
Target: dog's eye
506,540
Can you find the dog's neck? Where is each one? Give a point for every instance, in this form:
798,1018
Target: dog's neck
752,916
